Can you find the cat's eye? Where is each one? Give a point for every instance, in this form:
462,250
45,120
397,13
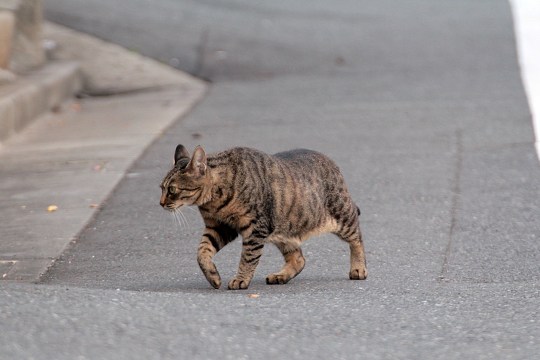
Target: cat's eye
172,190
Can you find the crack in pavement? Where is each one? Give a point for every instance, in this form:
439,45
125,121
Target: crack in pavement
456,195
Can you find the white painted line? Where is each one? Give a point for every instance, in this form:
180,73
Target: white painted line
527,28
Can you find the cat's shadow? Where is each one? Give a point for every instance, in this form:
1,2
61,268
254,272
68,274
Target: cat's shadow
258,286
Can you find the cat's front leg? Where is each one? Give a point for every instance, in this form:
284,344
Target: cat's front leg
204,258
215,237
252,248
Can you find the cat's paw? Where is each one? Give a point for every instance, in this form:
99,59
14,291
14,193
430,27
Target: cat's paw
358,274
213,277
274,279
215,282
238,284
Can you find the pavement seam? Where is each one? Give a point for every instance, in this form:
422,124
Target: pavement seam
456,195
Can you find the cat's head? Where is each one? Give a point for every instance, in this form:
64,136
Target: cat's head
187,182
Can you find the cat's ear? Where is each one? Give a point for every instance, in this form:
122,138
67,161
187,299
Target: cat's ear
180,153
197,164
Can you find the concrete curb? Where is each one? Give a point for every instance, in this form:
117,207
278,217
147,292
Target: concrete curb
36,93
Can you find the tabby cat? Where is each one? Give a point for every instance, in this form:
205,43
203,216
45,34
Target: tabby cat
281,199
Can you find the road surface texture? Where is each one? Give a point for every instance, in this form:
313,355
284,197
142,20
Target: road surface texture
421,105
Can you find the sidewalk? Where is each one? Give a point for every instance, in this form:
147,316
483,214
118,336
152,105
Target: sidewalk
57,170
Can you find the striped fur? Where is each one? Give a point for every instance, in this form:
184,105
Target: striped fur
282,199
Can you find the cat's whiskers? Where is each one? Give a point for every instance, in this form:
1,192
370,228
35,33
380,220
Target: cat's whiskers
188,225
181,218
175,219
192,209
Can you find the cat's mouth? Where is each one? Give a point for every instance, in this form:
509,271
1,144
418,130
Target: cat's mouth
172,207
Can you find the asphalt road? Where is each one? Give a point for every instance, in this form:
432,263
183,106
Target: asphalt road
421,105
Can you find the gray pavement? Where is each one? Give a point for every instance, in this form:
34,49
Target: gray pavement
422,107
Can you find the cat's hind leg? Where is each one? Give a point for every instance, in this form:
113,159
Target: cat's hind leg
214,238
294,264
351,234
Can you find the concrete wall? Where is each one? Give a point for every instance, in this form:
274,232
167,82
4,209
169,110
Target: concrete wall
20,35
7,26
